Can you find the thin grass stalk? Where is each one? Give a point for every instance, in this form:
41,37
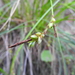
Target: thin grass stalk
63,60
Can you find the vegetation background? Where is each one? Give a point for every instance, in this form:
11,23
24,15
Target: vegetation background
19,19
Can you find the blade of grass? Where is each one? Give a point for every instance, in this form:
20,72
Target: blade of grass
63,8
61,52
17,27
2,71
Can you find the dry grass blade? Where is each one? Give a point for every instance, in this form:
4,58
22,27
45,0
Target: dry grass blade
14,7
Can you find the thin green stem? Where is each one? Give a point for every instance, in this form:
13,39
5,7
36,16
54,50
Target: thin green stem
60,49
52,8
